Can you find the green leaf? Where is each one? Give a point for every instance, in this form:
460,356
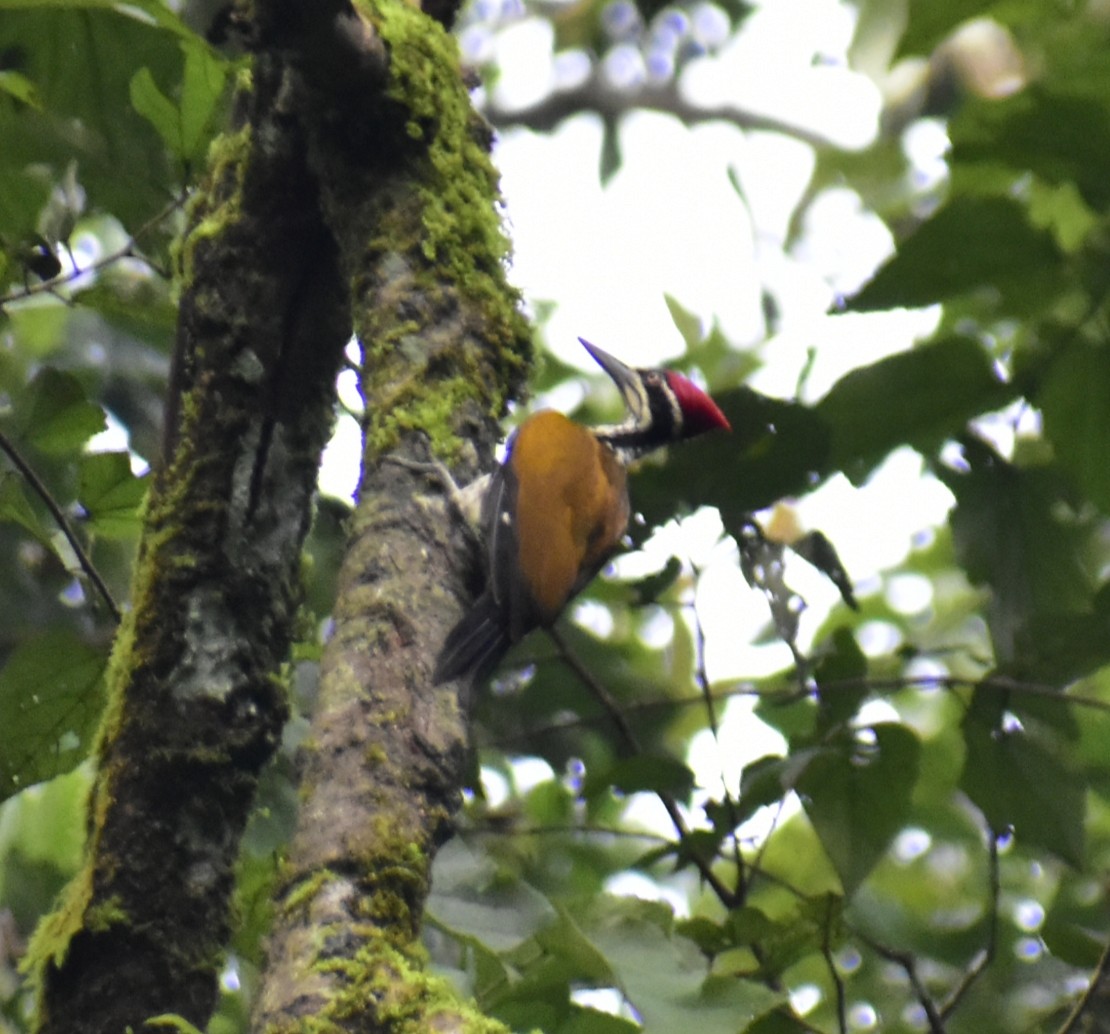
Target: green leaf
1022,782
642,773
1076,418
918,398
110,494
651,587
763,782
473,902
1060,138
1074,928
202,90
664,975
1014,532
775,449
931,21
185,128
839,676
971,244
687,323
14,507
81,58
19,87
23,194
857,795
54,415
51,693
813,923
157,109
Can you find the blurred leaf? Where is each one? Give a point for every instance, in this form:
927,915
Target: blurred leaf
54,415
611,157
781,1021
1019,782
14,507
41,840
1013,533
642,772
687,323
110,494
186,127
1060,138
1075,925
857,795
919,397
775,449
1076,418
51,694
473,902
970,244
122,162
202,89
649,588
807,927
816,549
930,21
839,675
157,109
23,193
19,87
762,783
664,975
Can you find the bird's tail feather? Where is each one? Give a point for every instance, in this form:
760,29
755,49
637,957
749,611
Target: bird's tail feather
475,645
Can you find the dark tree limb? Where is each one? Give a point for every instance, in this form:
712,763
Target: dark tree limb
196,702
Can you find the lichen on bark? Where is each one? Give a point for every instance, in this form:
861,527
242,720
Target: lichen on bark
196,704
411,195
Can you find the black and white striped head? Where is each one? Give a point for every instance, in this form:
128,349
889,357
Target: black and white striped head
663,407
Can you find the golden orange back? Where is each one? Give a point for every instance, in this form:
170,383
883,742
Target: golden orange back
571,508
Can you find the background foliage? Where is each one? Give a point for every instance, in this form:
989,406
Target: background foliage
925,846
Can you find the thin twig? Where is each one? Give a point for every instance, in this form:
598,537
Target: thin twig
997,684
628,735
701,676
127,251
1097,983
909,966
838,983
986,956
40,489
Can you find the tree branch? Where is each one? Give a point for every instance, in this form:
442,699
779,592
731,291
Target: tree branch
725,894
28,474
127,251
596,94
1098,988
196,701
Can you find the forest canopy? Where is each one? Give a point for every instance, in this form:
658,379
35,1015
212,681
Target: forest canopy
232,797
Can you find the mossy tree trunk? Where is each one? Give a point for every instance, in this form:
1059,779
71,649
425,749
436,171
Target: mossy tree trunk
354,189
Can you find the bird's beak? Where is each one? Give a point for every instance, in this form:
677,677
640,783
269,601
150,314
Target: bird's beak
624,377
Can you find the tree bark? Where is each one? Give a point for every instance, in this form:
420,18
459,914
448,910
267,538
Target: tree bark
197,701
411,198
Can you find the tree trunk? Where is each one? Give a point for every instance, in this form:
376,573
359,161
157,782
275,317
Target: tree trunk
353,188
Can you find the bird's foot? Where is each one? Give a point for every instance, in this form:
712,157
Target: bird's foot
467,501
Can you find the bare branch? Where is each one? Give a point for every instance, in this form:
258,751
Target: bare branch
908,964
724,894
1098,986
596,94
986,956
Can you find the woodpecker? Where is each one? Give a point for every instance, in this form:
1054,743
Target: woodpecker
555,510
